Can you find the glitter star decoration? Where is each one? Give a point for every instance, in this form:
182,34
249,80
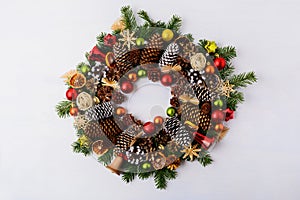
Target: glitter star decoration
191,152
80,122
227,88
211,46
128,38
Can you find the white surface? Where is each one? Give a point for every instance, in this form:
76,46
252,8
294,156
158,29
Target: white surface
40,40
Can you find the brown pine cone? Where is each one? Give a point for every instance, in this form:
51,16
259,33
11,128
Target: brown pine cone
153,74
104,93
174,102
93,131
110,129
118,97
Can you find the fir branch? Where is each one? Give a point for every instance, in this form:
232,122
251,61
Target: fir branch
174,23
205,159
243,79
100,38
160,24
145,175
227,71
128,177
148,21
63,109
189,36
228,52
128,18
202,43
161,176
77,148
106,158
234,99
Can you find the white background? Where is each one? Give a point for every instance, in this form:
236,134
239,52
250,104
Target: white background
40,40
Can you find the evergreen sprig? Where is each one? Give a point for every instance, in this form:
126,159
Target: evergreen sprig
128,177
100,38
174,23
145,175
189,36
243,79
63,109
148,21
162,176
106,158
205,159
78,148
128,18
228,52
234,99
227,71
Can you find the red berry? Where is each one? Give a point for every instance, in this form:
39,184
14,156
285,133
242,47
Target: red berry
218,116
220,63
127,87
166,80
149,127
71,94
73,111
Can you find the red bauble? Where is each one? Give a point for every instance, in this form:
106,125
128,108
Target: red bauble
219,127
220,63
149,127
96,55
73,111
218,116
166,80
71,94
126,87
229,114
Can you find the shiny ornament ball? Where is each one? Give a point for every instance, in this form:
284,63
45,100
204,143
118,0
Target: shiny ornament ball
120,111
73,111
149,127
218,103
210,69
140,41
142,73
146,165
127,87
220,63
71,94
166,80
158,120
219,127
96,100
218,116
84,69
167,35
171,112
132,76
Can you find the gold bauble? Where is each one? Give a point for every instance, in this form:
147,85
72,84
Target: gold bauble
167,35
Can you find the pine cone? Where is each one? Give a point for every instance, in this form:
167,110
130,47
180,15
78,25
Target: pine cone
202,93
162,138
196,116
153,50
189,50
195,77
110,129
153,74
118,97
170,55
96,72
99,111
174,102
177,131
124,141
119,50
104,93
93,131
185,64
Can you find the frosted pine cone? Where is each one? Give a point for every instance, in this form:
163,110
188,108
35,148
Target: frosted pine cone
100,111
170,55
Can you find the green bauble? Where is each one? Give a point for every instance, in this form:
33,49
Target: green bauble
171,112
140,41
142,73
84,69
219,103
146,165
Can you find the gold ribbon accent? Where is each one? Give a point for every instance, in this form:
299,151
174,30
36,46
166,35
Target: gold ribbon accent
185,98
113,83
167,68
192,125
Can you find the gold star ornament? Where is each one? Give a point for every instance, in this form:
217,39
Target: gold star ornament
191,152
211,46
227,88
128,38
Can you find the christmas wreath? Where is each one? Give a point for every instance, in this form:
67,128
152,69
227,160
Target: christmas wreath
203,96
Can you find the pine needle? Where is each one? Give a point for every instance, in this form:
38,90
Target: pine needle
63,109
174,23
243,79
128,18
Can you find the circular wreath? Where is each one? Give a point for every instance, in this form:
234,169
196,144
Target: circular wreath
203,96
